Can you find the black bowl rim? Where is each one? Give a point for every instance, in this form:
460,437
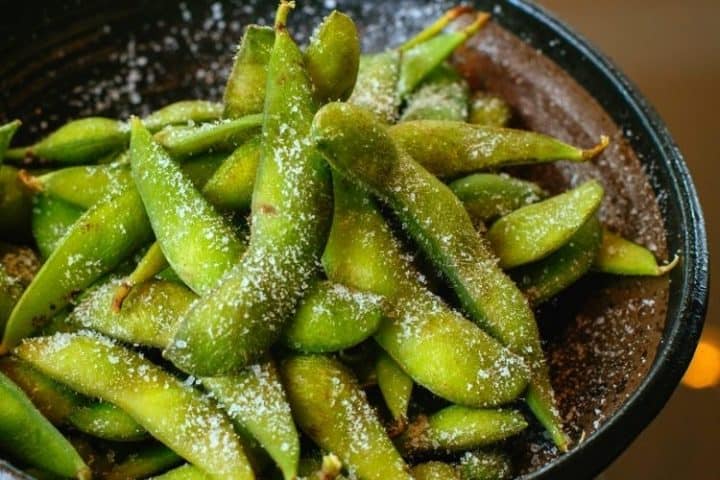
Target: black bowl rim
685,320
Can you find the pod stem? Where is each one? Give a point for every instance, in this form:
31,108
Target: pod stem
282,14
123,290
29,181
481,19
18,153
663,269
436,26
593,152
330,469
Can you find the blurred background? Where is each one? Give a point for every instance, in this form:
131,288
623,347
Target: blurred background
671,51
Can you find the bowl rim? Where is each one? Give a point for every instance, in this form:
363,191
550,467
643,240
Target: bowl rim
690,282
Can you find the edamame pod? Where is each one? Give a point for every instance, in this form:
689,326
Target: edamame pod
106,421
487,196
437,26
182,141
461,148
489,110
376,85
79,141
199,431
15,206
7,132
231,186
358,146
442,96
418,61
542,280
457,428
246,313
332,410
435,471
186,472
197,242
31,438
52,218
152,263
81,186
184,111
332,58
148,461
245,89
620,256
485,465
96,243
433,344
332,317
254,398
396,388
534,231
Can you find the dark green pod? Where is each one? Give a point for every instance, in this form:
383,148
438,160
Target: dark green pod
546,278
148,461
442,96
457,428
462,148
332,58
332,317
245,89
534,231
489,110
10,291
485,465
619,256
376,85
222,135
15,206
31,438
487,196
332,410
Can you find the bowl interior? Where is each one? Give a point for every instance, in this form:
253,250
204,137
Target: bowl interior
615,346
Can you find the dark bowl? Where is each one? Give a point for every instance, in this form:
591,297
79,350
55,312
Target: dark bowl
617,347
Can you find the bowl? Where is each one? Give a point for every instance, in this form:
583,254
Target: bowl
617,347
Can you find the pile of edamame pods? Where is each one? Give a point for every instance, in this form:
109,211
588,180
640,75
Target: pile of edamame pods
324,276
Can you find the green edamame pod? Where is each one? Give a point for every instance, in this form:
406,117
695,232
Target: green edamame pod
182,141
542,280
620,256
435,471
332,410
395,386
148,461
105,420
79,141
199,431
437,26
484,465
96,243
457,428
254,398
418,61
82,186
442,96
245,89
231,186
332,57
15,205
332,317
186,472
433,344
487,196
29,437
461,148
184,111
489,110
534,231
197,241
376,85
290,212
148,315
357,145
7,132
52,218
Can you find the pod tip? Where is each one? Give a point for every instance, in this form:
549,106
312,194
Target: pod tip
663,269
29,181
597,149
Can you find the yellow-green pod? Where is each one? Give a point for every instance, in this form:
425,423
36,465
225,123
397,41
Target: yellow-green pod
395,386
231,186
186,472
485,465
7,132
106,421
184,111
221,135
29,437
147,461
443,95
176,414
489,110
52,218
332,410
245,89
620,256
376,86
435,471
